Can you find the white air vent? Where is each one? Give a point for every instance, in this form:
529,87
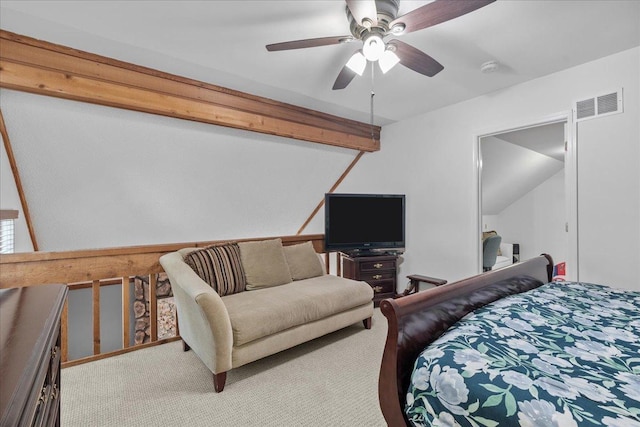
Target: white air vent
598,106
586,108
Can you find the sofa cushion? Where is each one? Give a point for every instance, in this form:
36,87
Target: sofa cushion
220,267
264,312
303,261
264,263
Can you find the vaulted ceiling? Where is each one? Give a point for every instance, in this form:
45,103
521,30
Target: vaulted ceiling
223,43
516,162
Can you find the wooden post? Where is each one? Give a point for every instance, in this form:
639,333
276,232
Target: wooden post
95,287
153,307
40,67
126,306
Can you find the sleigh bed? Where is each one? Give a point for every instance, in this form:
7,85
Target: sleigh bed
509,347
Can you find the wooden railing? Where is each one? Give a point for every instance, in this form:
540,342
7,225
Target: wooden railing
98,268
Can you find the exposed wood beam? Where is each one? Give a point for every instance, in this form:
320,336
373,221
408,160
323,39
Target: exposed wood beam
18,181
44,68
331,190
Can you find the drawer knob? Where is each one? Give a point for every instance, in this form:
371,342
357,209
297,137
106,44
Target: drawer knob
377,288
377,265
377,276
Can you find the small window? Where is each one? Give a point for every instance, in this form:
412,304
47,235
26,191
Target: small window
7,220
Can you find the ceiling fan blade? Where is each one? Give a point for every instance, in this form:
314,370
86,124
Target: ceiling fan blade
437,12
344,78
300,44
361,9
415,59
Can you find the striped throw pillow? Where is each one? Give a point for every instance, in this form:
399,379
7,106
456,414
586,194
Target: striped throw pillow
220,267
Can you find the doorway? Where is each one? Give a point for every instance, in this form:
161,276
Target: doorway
527,193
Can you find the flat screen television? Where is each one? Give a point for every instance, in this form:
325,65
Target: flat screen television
364,224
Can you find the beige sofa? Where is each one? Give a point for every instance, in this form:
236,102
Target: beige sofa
273,298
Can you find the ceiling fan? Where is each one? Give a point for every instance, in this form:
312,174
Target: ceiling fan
371,21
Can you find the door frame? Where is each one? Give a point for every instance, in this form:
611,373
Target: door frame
571,183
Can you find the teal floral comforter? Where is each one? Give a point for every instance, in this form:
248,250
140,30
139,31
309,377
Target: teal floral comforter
565,354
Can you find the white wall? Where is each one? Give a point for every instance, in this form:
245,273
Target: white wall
608,195
9,199
536,221
509,171
432,158
96,176
101,177
490,223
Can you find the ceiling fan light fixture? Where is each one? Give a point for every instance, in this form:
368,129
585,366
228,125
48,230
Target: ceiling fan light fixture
370,21
398,28
373,47
367,23
388,60
357,63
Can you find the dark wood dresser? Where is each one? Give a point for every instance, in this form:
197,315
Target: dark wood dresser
381,272
30,355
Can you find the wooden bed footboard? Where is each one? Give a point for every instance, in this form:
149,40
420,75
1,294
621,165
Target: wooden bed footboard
417,320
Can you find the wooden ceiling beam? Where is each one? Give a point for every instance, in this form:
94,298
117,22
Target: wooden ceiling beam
44,68
16,177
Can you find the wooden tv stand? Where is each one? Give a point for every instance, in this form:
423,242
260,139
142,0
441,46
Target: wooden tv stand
379,271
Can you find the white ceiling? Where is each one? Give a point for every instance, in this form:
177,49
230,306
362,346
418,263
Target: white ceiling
509,172
544,139
223,43
516,162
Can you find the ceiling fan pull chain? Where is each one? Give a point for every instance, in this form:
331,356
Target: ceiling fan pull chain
373,93
372,134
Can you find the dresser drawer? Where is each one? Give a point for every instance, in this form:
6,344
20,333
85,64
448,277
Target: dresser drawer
372,276
377,265
380,272
383,287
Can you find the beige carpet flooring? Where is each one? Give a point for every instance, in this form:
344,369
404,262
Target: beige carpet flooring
331,381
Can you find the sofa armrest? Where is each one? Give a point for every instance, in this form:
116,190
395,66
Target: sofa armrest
203,318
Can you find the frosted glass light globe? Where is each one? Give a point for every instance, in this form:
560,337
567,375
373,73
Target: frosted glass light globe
373,47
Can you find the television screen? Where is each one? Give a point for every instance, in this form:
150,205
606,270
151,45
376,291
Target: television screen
364,222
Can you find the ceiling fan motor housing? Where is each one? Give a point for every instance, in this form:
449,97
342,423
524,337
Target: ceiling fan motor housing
387,12
370,21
